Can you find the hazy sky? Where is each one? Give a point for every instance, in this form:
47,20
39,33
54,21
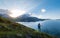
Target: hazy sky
52,7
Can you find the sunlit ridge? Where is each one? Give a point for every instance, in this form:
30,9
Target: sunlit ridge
15,13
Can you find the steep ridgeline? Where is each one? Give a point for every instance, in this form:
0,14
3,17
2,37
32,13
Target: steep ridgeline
9,29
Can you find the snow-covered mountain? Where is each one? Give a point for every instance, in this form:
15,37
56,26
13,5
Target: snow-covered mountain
23,18
28,18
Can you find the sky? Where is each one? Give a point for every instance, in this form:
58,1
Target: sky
52,7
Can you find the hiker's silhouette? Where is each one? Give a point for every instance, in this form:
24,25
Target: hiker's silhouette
39,27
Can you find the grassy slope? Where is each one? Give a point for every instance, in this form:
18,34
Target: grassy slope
11,29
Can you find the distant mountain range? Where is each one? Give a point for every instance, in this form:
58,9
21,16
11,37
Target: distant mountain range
28,18
22,18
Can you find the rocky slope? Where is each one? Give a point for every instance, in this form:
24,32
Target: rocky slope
10,29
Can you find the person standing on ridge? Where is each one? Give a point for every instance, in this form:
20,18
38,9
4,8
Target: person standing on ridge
39,27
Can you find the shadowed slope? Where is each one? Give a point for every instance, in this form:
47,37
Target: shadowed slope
9,29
